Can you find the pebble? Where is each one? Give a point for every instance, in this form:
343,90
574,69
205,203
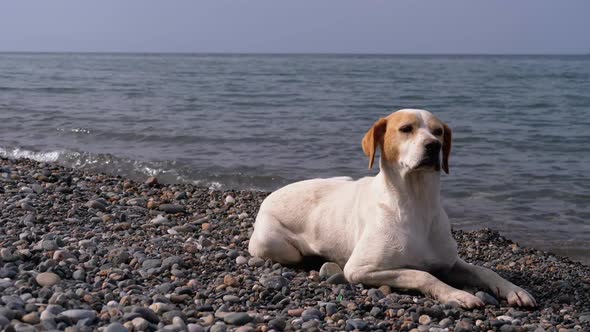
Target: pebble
231,298
255,262
115,327
337,279
31,318
94,204
358,324
487,298
424,319
273,282
47,279
241,260
172,208
329,269
238,318
79,314
140,324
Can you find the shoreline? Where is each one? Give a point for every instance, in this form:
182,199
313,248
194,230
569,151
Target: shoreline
149,256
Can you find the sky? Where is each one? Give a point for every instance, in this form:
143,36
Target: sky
303,26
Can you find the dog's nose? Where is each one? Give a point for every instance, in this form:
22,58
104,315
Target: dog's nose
432,146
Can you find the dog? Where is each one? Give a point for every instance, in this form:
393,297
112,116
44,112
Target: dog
390,229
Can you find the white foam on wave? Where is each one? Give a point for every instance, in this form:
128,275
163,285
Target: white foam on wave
49,156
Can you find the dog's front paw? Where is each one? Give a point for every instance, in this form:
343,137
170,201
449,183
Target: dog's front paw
464,299
518,296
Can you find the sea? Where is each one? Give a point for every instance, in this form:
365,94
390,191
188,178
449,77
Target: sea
520,161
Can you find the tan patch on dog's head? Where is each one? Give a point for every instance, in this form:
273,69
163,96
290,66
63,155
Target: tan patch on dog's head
407,128
387,133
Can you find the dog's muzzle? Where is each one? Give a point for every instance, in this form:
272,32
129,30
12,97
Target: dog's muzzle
431,156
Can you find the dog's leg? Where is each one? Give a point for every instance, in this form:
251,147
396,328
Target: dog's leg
269,241
467,274
411,279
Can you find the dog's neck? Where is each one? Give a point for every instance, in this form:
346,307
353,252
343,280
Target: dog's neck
410,186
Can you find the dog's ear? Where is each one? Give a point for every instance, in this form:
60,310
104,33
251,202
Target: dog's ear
373,138
446,148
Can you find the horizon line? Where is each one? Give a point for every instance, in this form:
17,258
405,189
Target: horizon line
294,53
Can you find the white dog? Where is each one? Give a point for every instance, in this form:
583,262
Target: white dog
385,230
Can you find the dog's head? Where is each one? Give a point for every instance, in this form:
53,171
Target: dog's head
410,140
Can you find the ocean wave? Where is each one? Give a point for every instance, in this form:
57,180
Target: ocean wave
16,153
216,178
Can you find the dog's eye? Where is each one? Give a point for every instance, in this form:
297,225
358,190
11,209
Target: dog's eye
437,132
406,129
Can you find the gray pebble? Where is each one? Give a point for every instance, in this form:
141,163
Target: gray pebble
256,262
358,324
151,263
337,279
329,269
115,327
487,298
79,314
47,279
238,318
172,208
273,282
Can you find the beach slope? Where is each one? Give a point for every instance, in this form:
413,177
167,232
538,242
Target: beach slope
82,251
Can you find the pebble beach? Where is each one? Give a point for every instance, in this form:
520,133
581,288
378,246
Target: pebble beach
86,251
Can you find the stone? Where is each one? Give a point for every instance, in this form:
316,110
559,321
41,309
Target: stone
385,289
445,322
357,324
160,307
337,279
218,327
238,318
151,263
79,275
31,318
94,204
229,199
375,294
331,308
256,262
148,314
140,324
47,279
487,298
160,220
49,245
195,328
115,327
508,328
278,324
152,181
375,311
169,261
328,269
295,312
505,318
172,208
311,313
231,298
424,320
241,260
273,282
79,314
230,280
